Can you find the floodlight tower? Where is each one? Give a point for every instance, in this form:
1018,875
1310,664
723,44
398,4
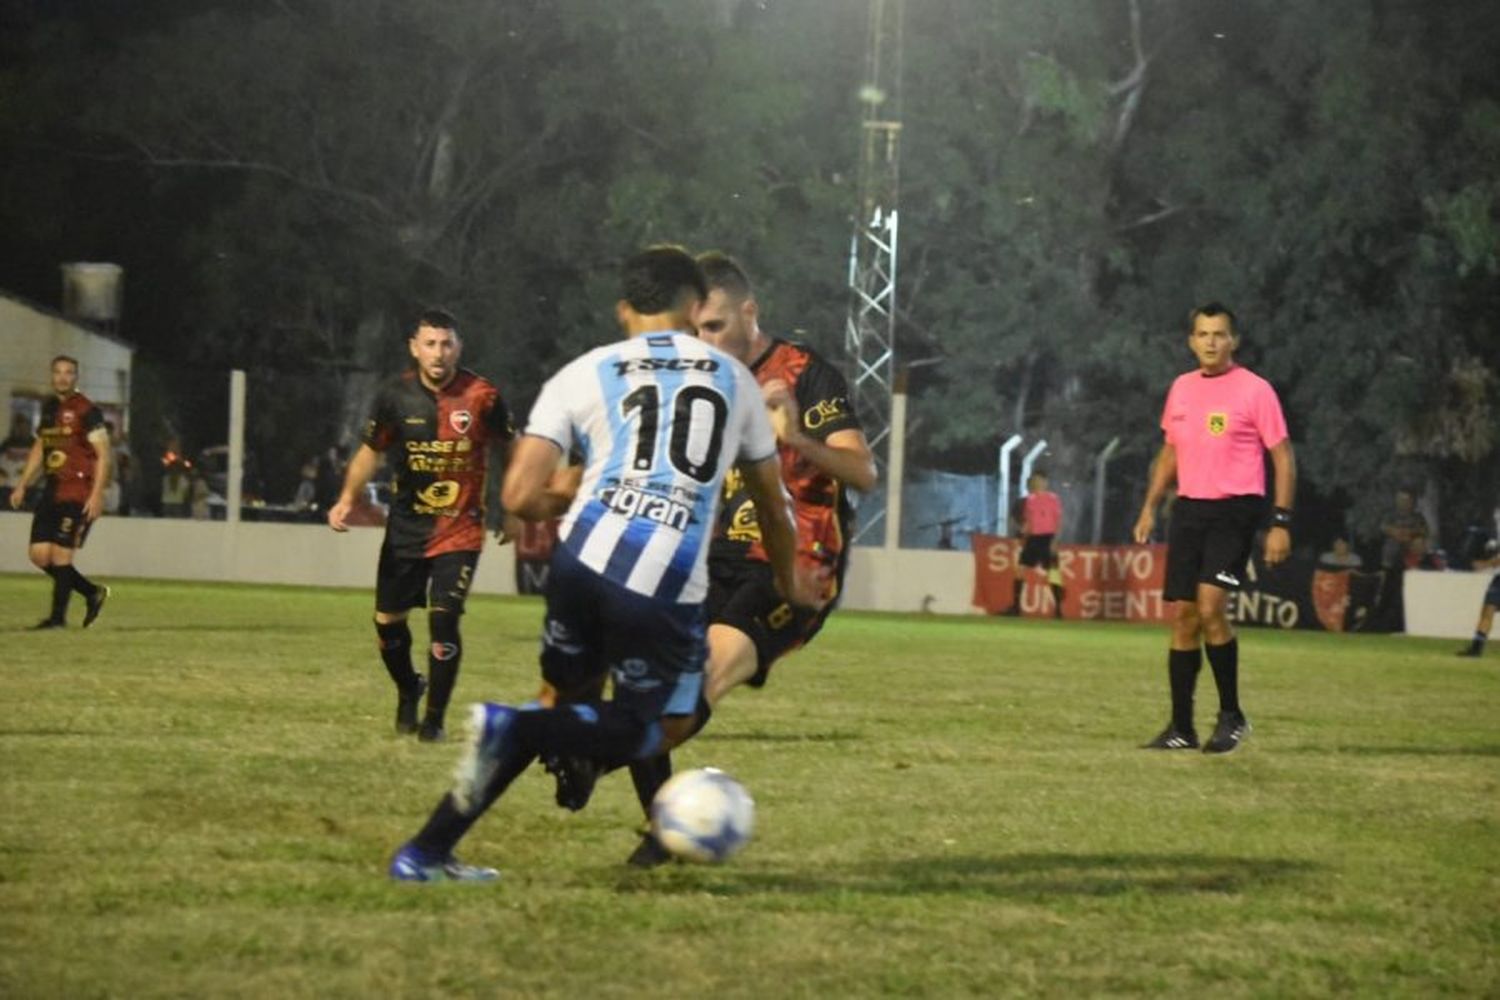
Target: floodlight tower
870,330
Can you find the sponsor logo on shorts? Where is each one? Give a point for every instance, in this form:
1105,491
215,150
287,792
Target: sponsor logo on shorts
1227,578
635,674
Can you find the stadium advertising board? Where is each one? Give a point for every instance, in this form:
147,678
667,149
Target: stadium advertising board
1124,583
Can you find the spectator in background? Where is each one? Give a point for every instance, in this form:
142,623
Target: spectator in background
305,500
198,494
15,449
175,486
1400,550
1041,520
1402,531
1340,556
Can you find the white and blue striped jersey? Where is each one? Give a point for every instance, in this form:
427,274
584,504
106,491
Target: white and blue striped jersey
659,419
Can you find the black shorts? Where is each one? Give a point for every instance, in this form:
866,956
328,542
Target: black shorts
1038,551
742,594
652,650
1492,592
404,583
1209,541
61,524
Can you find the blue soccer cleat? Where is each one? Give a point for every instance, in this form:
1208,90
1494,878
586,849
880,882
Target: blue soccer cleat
412,865
487,743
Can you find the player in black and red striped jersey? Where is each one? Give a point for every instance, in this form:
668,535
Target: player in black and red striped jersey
72,449
438,425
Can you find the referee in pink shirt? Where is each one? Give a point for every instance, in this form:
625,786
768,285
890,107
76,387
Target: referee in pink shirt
1219,421
1041,518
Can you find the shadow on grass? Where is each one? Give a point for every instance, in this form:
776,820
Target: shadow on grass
231,627
1010,876
761,736
1484,750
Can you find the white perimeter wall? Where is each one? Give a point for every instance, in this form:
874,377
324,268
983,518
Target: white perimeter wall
313,555
1443,605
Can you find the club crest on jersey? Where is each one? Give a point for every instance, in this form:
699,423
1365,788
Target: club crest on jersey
1218,423
460,420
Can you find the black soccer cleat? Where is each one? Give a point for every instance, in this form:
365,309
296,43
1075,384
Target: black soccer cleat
431,731
1232,729
649,853
1470,651
1173,738
47,623
95,605
407,703
575,780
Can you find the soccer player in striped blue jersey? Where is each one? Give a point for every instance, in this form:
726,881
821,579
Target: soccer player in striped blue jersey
659,420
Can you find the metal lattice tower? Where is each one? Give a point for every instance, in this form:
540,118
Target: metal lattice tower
870,331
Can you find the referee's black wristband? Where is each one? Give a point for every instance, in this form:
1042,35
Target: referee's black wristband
1281,517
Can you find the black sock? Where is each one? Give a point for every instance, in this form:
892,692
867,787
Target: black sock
447,825
1478,644
1225,661
62,589
1182,672
442,663
1020,586
648,776
79,582
1057,595
395,653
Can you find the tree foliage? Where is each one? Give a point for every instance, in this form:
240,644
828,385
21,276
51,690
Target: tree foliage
300,175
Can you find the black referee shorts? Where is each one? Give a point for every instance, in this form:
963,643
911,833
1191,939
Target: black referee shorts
1209,541
1038,552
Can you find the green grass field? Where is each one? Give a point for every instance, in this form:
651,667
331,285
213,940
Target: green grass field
199,795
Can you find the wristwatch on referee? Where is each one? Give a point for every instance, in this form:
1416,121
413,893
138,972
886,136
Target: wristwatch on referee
1281,517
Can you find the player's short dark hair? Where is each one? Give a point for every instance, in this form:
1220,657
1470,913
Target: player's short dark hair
723,272
1212,309
438,319
64,357
656,279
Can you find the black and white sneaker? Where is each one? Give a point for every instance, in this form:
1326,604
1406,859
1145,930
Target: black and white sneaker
1173,738
1232,729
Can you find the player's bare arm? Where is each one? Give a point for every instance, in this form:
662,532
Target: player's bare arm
534,488
1163,475
28,473
93,507
1284,465
361,470
844,455
778,532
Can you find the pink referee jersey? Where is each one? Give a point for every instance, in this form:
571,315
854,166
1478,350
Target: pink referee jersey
1221,426
1043,513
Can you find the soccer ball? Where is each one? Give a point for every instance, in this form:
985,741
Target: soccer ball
702,815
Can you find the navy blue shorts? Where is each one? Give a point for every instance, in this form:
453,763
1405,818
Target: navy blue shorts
653,651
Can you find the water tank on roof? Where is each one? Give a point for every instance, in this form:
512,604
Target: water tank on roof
91,293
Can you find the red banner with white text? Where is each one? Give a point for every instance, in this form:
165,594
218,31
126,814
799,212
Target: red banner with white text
1112,582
